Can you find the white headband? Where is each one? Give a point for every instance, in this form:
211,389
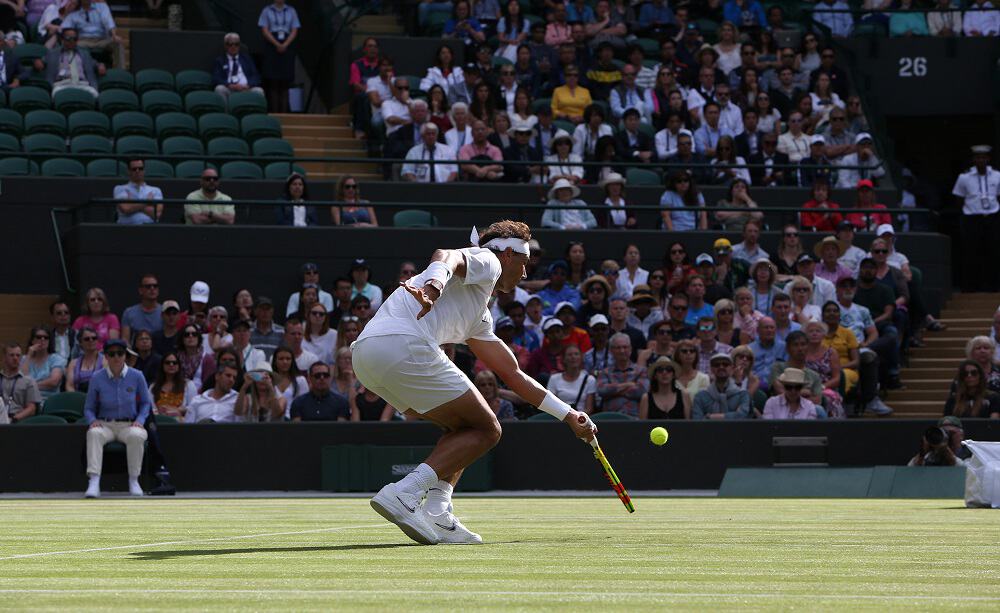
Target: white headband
501,244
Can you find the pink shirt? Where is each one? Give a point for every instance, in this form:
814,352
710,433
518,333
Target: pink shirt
472,150
776,407
104,327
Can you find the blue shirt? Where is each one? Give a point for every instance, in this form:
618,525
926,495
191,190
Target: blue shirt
765,357
95,22
136,318
783,333
573,15
651,14
550,298
276,20
330,407
42,372
137,193
683,217
693,316
123,397
857,319
707,137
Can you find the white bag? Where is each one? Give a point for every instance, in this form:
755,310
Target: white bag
982,475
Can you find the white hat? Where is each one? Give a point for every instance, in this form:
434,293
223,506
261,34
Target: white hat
262,366
520,125
703,257
552,322
885,228
200,292
685,132
562,305
611,177
562,184
597,320
721,356
862,136
817,139
794,376
982,149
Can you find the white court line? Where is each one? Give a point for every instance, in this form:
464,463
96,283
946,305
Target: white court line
519,593
188,542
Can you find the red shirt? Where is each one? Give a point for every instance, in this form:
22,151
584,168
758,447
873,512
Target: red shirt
862,221
823,222
577,336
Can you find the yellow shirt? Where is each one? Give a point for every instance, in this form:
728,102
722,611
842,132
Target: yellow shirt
199,196
565,102
842,341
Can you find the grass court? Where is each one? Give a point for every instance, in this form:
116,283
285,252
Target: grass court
541,553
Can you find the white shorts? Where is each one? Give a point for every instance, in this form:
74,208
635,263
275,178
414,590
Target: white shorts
408,372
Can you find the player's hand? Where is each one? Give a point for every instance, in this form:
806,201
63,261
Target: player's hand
425,295
581,425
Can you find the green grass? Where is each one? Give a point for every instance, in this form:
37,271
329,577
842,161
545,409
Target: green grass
322,554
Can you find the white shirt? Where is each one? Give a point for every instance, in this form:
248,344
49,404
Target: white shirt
741,252
436,77
626,285
420,152
324,298
252,357
617,211
507,96
847,178
205,406
293,391
322,346
852,258
376,84
795,147
823,291
238,76
666,143
987,23
306,359
456,140
584,141
458,315
568,167
979,191
298,216
731,118
567,391
395,108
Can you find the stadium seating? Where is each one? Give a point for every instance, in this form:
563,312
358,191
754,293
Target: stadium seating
114,101
65,404
45,122
11,122
187,81
9,143
190,169
157,101
158,169
199,103
228,146
272,147
105,168
153,79
39,420
132,123
215,125
414,218
260,126
15,166
63,167
175,124
136,145
27,98
70,100
246,103
90,143
182,145
241,170
116,78
89,122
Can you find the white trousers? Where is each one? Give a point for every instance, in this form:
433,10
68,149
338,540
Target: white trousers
108,431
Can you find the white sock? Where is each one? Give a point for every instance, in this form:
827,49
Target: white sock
95,480
419,481
439,498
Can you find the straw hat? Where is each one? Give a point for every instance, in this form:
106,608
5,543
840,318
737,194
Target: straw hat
641,293
829,240
612,177
660,361
793,376
585,286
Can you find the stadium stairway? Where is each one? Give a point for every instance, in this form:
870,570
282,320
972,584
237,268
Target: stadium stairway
20,313
326,135
375,25
933,367
127,24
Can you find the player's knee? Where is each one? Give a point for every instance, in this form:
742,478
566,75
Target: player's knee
491,432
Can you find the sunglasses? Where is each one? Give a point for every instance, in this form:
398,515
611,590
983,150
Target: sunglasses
678,307
210,178
838,119
95,299
87,339
663,369
687,351
725,312
137,168
672,251
150,285
114,354
506,73
657,277
61,313
41,337
683,181
69,39
406,87
793,388
350,186
320,375
192,334
663,331
791,234
880,251
171,363
350,318
706,328
970,373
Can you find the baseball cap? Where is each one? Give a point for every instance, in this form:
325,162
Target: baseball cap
950,420
310,267
704,258
598,320
359,263
722,245
885,228
721,356
867,260
845,225
200,292
240,323
846,280
503,322
862,137
562,305
982,149
264,301
170,304
817,139
557,265
806,257
115,342
552,322
533,298
863,183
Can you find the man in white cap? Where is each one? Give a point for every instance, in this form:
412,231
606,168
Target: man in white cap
980,224
200,293
815,166
398,357
866,165
521,151
600,351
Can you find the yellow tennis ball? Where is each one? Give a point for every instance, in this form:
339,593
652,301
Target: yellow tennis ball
658,436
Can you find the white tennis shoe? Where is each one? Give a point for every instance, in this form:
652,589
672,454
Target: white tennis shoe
403,509
450,531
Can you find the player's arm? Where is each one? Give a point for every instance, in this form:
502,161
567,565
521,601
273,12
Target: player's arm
501,361
445,263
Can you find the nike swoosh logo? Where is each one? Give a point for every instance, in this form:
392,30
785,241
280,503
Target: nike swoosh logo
406,506
450,528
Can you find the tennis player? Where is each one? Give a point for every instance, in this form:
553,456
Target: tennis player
398,356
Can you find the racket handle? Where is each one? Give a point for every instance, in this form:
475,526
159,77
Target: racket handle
583,419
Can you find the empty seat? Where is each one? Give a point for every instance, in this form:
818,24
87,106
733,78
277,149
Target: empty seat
158,169
106,168
273,148
27,53
36,79
228,146
9,143
151,79
90,143
414,218
161,101
214,125
182,145
11,122
132,123
17,167
88,122
44,143
114,101
44,121
246,103
116,78
260,126
279,171
175,124
187,81
26,98
70,100
241,170
199,102
141,145
63,167
640,176
189,169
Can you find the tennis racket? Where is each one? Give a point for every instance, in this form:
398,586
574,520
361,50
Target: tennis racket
616,483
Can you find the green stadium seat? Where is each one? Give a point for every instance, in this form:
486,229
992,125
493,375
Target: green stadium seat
17,167
199,103
279,171
640,176
27,53
182,145
116,78
175,124
189,169
43,420
26,98
3,98
70,100
187,81
88,122
564,125
90,143
414,218
9,143
105,168
63,167
273,148
214,125
435,23
539,104
114,101
228,146
241,170
137,145
151,79
650,47
11,122
158,169
869,29
160,101
165,419
45,122
44,143
69,402
34,79
260,126
249,103
499,60
132,123
611,416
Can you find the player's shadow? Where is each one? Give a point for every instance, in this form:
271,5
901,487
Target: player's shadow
184,553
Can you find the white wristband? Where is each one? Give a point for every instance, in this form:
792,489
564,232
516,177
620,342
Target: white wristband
554,407
438,271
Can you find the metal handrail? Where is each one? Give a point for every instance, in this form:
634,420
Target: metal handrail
59,246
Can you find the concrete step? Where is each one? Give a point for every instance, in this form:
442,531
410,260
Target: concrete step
917,406
292,131
335,176
340,168
922,382
376,28
922,372
930,362
297,119
140,22
378,19
909,394
345,144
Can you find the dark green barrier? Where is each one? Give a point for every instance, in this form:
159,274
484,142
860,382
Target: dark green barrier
877,482
366,468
